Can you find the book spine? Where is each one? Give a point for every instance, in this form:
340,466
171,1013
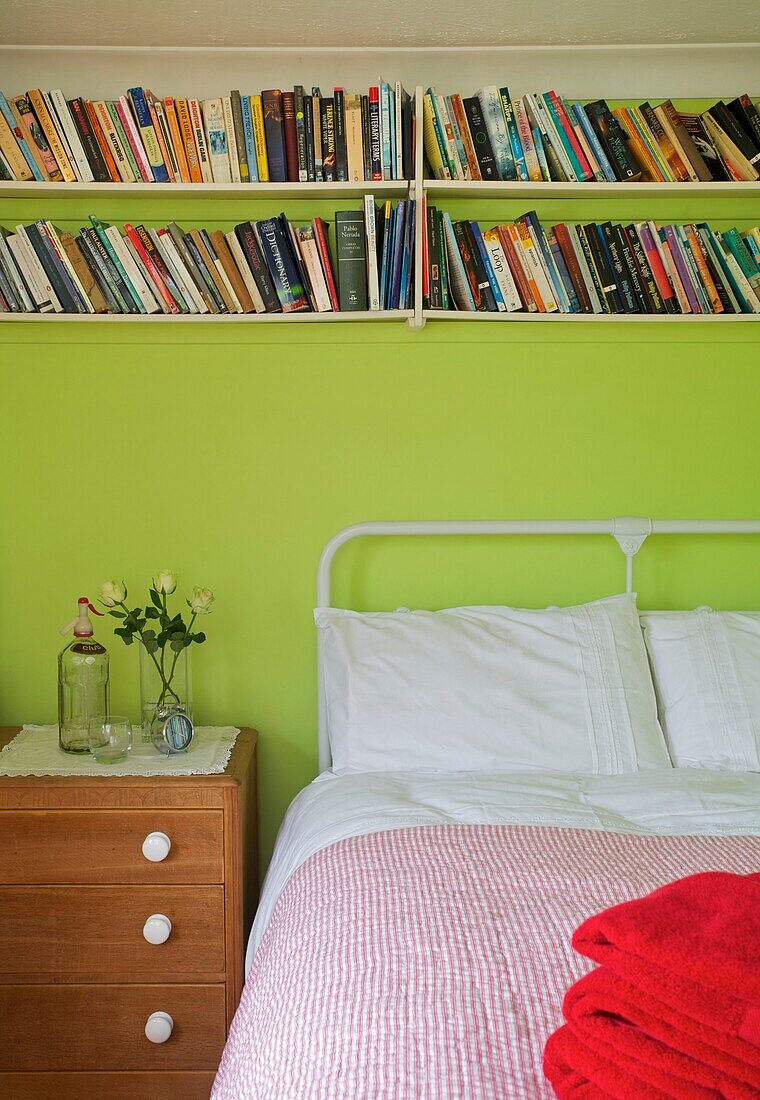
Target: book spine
320,234
277,254
110,272
328,139
568,286
90,144
434,148
177,139
188,141
399,236
339,121
153,264
354,148
589,259
508,288
249,140
513,133
216,140
36,138
554,137
233,161
148,134
311,162
526,141
385,128
241,142
489,169
705,275
120,245
683,272
161,131
55,144
370,228
272,106
202,260
299,117
260,138
78,156
112,134
17,134
493,116
374,134
573,267
133,137
351,254
665,144
578,158
620,269
53,268
199,134
457,107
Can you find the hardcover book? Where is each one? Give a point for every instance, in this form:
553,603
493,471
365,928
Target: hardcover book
351,253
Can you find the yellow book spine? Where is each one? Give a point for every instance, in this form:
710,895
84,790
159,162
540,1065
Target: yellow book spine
430,141
259,138
54,142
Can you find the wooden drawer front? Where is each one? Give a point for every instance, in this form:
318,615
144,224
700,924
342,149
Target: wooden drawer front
104,846
95,933
49,1028
115,1086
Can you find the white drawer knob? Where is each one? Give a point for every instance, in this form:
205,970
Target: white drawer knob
158,1027
157,928
156,847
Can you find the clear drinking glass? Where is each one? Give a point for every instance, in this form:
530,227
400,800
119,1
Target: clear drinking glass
110,738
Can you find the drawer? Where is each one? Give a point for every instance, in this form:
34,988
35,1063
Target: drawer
105,846
117,1086
95,933
48,1028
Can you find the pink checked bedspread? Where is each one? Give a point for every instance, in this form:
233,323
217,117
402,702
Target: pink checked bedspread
430,963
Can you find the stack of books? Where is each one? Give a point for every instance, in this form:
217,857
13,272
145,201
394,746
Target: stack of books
268,266
543,137
595,267
276,137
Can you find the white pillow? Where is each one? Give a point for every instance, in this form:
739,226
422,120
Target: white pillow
706,668
490,689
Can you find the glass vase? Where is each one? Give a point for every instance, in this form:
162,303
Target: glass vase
156,699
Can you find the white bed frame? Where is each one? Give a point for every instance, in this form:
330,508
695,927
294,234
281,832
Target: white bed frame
628,531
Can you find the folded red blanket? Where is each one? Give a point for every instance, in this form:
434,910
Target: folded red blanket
695,946
579,1071
603,1010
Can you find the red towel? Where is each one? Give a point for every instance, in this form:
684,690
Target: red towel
605,1011
578,1071
695,946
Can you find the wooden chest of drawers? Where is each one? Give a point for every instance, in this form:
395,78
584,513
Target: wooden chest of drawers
83,968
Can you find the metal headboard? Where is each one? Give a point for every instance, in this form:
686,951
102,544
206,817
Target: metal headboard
628,531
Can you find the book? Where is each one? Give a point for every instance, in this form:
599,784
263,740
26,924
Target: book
493,117
243,140
216,140
249,139
178,139
187,132
432,141
148,134
251,247
278,257
339,122
311,257
350,249
354,142
229,129
481,140
274,133
260,138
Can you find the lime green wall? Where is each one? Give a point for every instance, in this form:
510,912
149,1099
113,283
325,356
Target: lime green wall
231,453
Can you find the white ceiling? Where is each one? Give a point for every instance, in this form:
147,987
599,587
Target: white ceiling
375,22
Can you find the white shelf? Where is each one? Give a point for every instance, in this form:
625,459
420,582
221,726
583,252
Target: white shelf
219,318
637,318
500,189
33,189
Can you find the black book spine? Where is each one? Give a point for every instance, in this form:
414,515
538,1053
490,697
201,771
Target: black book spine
43,251
466,251
725,119
633,270
717,277
480,267
88,255
610,274
479,133
647,278
328,139
211,286
89,142
443,262
407,127
619,266
308,118
303,172
434,259
609,286
746,114
613,139
710,155
366,139
115,281
591,264
255,259
341,156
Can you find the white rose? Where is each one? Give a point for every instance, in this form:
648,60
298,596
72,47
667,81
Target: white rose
201,600
113,593
165,582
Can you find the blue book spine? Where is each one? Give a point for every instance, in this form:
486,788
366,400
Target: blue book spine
250,142
513,133
551,268
398,249
276,249
406,259
145,122
559,260
593,140
22,142
491,274
493,116
385,267
101,232
455,260
59,279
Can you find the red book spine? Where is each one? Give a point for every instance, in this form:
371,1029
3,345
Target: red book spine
151,268
573,267
100,137
517,269
291,139
655,262
324,255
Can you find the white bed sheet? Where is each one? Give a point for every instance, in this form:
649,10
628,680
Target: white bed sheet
671,800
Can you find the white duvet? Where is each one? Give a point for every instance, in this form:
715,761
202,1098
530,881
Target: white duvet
671,800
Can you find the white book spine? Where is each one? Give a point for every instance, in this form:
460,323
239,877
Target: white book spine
370,230
157,303
138,149
47,100
399,132
72,137
32,260
227,284
310,253
245,272
36,287
504,276
176,264
124,249
216,140
448,137
232,149
176,274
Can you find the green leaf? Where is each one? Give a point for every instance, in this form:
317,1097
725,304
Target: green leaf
117,614
200,637
148,635
155,598
163,638
151,613
128,640
178,644
187,641
151,645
